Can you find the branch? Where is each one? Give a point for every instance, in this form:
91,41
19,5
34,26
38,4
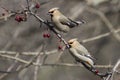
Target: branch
27,63
113,70
37,68
98,37
6,16
9,69
28,53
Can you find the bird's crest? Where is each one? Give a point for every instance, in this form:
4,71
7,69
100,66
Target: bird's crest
53,9
72,40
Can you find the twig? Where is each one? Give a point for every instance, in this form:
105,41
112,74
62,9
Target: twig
28,53
60,54
113,71
99,36
28,5
9,69
37,68
7,16
30,62
27,63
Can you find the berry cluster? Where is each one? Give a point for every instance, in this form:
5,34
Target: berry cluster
46,35
60,47
19,18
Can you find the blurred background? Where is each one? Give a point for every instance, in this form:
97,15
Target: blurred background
27,36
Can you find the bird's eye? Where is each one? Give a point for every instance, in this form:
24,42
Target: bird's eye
70,42
51,11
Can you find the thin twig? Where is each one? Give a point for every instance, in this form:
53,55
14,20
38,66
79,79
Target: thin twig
60,54
28,5
6,16
28,53
113,71
37,67
10,68
27,63
99,36
30,62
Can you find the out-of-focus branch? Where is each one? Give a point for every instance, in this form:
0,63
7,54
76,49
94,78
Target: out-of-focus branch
10,68
110,77
6,16
28,53
37,67
56,64
105,20
98,37
31,61
27,63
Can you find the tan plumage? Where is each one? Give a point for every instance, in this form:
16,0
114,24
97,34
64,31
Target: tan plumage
62,23
80,53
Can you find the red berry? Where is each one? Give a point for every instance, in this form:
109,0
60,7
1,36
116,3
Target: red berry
59,47
18,18
37,5
96,71
48,35
3,14
44,35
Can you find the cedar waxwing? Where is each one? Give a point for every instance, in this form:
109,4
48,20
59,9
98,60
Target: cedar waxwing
61,22
80,53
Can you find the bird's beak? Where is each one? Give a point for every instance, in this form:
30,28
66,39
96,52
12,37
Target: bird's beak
69,44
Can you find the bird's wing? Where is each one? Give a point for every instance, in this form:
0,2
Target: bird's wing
83,51
66,21
81,58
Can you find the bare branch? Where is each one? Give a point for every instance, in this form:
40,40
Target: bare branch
37,68
10,68
28,53
6,16
99,36
113,71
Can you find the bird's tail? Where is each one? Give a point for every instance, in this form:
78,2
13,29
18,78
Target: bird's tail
76,23
80,22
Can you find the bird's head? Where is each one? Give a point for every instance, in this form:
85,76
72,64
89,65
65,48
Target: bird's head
73,42
53,11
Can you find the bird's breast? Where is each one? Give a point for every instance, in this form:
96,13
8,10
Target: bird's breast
59,25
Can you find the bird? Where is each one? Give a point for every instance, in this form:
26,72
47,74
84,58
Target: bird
80,53
61,22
